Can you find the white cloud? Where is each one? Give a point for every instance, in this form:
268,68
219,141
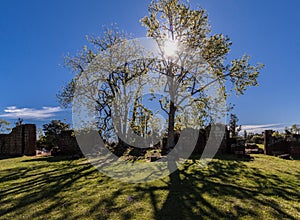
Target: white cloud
260,128
13,112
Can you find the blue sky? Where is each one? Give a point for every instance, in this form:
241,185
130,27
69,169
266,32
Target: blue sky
35,35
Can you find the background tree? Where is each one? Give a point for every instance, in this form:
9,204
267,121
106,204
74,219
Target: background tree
52,131
41,140
4,126
278,135
234,129
257,139
19,122
118,72
295,129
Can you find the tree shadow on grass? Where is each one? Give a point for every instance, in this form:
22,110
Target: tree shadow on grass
31,185
50,159
39,182
226,189
200,193
42,185
3,157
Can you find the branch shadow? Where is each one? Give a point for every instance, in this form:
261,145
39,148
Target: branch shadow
46,183
196,193
5,157
191,192
51,159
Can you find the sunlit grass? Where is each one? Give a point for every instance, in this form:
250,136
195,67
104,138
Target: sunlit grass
261,146
54,188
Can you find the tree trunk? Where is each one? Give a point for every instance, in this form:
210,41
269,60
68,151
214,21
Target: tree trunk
171,125
172,110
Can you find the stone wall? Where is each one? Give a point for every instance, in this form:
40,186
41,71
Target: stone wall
222,147
278,148
21,141
291,145
201,143
295,150
67,143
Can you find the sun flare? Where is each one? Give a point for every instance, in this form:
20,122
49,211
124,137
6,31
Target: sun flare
170,48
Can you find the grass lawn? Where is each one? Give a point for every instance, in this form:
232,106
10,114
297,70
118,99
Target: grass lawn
54,188
261,146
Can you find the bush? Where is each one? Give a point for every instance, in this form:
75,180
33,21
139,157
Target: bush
257,139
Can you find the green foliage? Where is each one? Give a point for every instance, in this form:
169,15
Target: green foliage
4,126
177,21
278,135
52,131
234,129
257,139
19,121
55,127
295,129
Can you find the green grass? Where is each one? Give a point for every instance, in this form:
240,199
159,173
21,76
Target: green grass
261,146
54,188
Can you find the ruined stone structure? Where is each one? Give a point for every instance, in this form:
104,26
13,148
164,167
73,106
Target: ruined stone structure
201,142
268,141
204,136
67,144
21,141
290,145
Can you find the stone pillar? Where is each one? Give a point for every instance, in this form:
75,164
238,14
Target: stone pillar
267,141
15,142
29,139
227,142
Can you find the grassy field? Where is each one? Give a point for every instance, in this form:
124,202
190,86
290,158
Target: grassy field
54,188
261,146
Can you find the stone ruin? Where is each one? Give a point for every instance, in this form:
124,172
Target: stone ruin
67,145
224,148
21,141
286,147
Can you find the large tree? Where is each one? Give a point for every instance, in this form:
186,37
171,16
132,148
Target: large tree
176,21
199,63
